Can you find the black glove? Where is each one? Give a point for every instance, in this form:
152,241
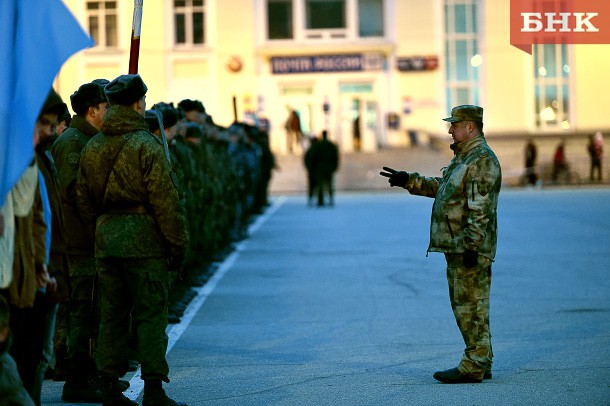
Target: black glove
396,178
470,258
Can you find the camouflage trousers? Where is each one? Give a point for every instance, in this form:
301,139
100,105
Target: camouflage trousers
469,295
83,315
133,292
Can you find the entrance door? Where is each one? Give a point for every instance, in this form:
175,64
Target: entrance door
359,118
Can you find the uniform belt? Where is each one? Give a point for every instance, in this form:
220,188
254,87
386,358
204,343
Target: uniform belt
128,210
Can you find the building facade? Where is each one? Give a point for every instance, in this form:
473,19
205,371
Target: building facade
374,73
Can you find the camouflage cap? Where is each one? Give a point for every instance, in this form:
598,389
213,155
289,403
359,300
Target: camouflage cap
465,112
126,89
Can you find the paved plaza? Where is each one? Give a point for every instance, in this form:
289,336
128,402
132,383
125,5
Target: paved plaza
341,306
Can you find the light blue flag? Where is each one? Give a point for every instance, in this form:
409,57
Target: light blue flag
36,38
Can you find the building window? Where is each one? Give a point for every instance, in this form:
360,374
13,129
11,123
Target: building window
189,22
370,18
551,76
102,20
324,19
462,59
279,19
325,14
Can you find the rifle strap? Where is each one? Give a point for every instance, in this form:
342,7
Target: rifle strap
114,159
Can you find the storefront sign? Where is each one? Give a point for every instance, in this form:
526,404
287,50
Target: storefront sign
326,63
417,63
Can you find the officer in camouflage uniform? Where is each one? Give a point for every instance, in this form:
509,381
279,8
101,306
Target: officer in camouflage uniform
89,104
464,228
127,194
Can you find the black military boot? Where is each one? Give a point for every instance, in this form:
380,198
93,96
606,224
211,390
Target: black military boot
112,395
81,390
154,395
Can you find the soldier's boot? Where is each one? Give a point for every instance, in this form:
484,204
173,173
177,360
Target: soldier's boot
154,395
83,389
112,395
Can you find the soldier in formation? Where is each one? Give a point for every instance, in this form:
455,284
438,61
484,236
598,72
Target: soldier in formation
113,209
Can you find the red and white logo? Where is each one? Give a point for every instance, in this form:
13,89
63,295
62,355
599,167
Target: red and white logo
559,22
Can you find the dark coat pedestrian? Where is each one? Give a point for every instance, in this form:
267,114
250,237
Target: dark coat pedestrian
324,161
531,155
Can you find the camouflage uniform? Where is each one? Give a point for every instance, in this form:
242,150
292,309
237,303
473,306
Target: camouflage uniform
126,190
83,318
464,217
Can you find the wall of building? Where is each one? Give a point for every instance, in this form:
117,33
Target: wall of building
235,36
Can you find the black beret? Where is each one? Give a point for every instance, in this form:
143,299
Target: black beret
101,82
53,104
170,114
189,105
151,119
65,116
89,94
125,90
193,130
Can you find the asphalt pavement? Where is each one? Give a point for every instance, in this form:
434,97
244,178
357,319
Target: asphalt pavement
341,306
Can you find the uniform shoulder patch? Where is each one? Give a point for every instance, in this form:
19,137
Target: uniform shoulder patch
73,158
483,186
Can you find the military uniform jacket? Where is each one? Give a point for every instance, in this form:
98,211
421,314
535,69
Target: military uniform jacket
465,200
126,189
66,152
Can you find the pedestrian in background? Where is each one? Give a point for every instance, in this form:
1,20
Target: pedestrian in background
596,153
324,161
464,228
560,163
130,201
294,133
311,175
531,154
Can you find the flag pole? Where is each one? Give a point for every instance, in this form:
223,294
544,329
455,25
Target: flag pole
134,56
134,53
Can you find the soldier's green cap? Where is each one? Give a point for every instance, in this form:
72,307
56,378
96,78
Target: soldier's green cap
125,90
465,112
89,94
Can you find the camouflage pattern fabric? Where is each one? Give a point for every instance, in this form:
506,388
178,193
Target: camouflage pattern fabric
137,196
144,285
66,152
464,217
128,195
465,200
83,311
469,295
